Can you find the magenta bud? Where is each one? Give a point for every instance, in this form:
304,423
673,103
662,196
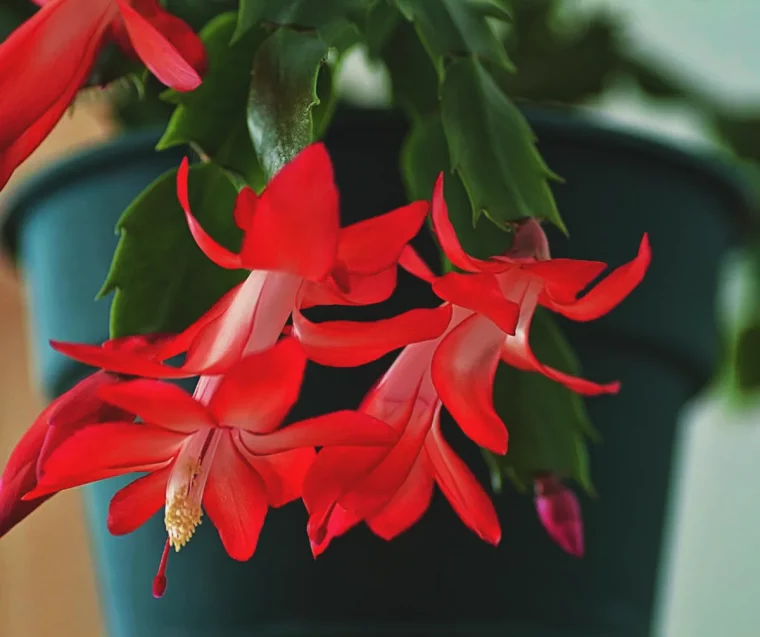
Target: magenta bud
560,513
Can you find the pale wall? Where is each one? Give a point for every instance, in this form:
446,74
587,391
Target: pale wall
47,588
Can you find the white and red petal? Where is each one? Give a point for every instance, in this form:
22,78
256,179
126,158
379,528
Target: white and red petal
252,322
480,293
463,370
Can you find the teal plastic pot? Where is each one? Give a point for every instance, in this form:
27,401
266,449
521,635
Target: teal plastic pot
438,579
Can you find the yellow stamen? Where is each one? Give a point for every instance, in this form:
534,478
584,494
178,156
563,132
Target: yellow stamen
182,517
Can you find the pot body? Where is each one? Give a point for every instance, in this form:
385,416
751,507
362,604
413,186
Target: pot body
437,579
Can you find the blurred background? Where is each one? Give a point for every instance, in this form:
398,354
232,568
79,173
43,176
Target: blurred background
688,70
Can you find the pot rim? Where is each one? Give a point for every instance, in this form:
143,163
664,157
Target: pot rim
588,126
354,125
62,172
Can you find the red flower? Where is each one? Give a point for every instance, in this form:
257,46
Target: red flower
463,358
78,407
560,513
494,305
491,310
222,449
298,256
390,488
45,62
528,277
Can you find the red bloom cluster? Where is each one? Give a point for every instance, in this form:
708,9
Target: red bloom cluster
223,450
45,62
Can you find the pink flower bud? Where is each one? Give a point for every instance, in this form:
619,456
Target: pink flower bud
560,513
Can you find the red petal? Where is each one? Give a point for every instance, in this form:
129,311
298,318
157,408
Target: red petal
179,34
13,509
252,322
564,279
157,52
380,486
136,503
20,477
336,523
157,403
334,472
408,505
360,289
295,226
245,207
27,449
460,487
374,245
413,264
57,47
184,341
338,428
79,407
283,473
118,361
516,351
141,355
217,253
480,293
235,499
449,241
463,369
72,33
609,292
349,343
106,450
259,391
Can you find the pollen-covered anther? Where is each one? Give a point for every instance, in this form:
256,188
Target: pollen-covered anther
181,519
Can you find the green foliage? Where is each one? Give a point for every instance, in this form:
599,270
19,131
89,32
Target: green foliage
556,64
490,144
414,79
421,164
283,94
213,117
198,13
547,423
161,279
296,13
380,23
453,27
493,149
739,313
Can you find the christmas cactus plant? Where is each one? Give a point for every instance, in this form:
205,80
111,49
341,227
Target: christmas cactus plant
222,260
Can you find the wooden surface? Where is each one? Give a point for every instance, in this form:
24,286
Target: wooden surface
47,587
